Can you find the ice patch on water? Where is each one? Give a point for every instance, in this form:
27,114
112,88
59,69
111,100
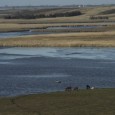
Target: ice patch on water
67,53
54,75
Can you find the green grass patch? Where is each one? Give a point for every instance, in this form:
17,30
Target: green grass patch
82,102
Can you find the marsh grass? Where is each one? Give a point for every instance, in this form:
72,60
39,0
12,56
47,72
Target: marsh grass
9,27
89,39
99,37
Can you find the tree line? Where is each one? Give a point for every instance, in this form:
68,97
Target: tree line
22,15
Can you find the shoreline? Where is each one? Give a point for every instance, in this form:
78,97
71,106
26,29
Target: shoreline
56,92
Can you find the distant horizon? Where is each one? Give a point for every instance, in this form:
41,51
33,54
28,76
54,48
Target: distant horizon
54,5
54,2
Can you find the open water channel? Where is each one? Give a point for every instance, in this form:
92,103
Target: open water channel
47,31
36,70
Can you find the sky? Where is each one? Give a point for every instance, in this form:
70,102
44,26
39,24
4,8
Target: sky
53,2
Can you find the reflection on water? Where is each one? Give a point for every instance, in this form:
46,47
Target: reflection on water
36,70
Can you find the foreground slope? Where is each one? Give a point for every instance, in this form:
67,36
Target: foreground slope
82,102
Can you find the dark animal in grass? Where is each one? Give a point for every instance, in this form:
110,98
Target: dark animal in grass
88,87
76,89
68,88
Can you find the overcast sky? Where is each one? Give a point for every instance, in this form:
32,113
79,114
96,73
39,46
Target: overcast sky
53,2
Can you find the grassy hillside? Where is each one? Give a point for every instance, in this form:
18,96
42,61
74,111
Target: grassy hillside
86,13
82,102
104,36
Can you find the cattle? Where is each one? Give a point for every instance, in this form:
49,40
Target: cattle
75,88
88,87
68,88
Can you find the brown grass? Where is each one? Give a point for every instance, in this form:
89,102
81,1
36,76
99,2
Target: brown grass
87,12
8,27
25,24
81,39
97,39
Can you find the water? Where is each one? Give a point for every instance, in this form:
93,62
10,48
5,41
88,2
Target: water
32,32
20,33
36,70
72,27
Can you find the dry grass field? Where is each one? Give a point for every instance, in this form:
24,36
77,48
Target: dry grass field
93,39
104,37
86,13
9,27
